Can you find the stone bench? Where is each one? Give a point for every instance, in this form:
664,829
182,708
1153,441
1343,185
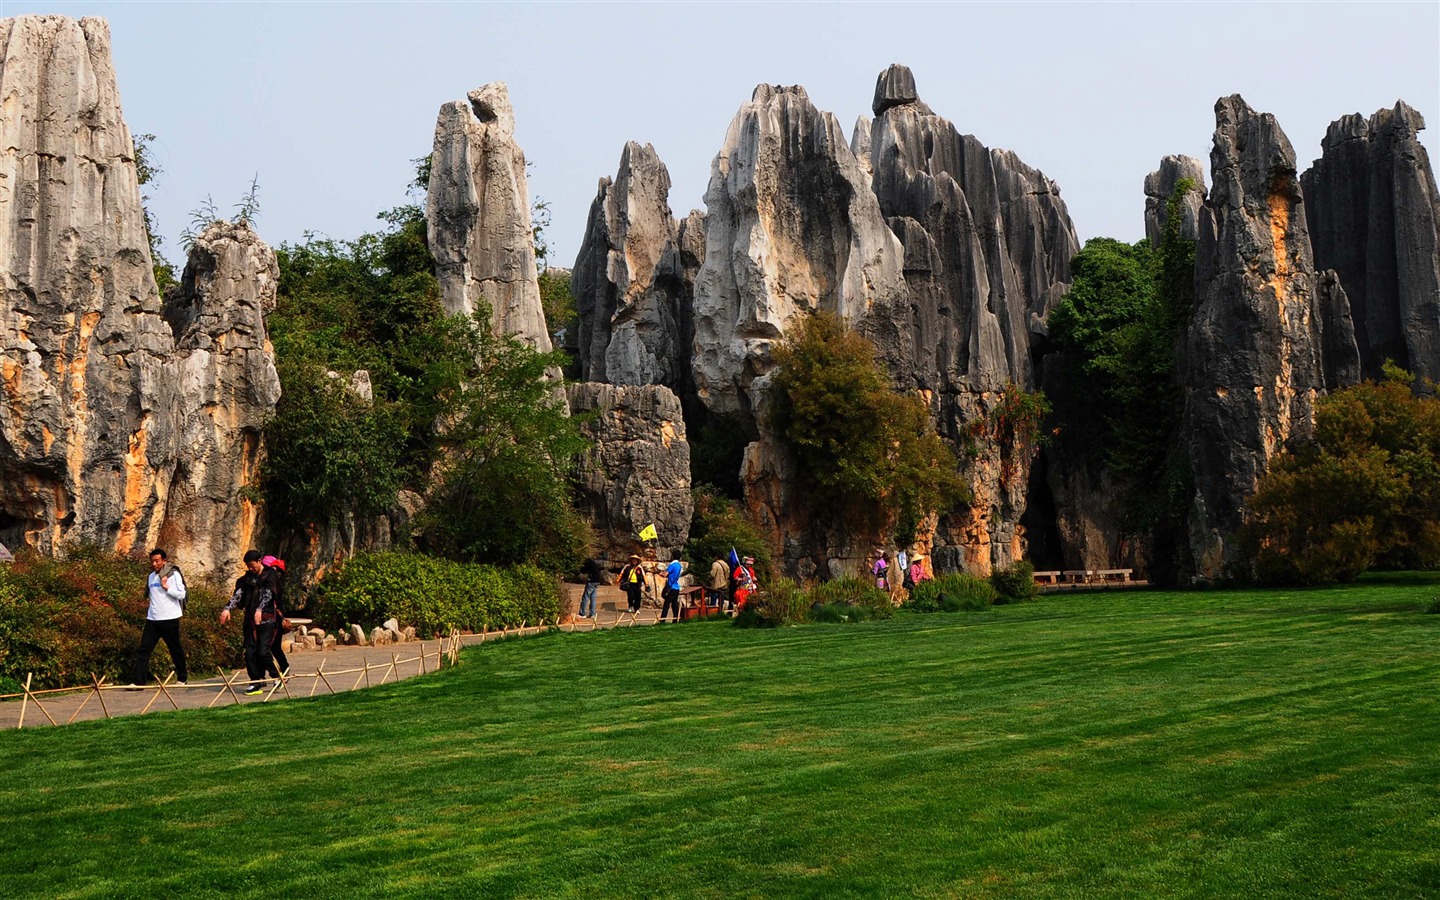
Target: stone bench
1047,577
1115,575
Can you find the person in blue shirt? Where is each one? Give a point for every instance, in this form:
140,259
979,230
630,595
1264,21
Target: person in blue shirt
672,590
165,589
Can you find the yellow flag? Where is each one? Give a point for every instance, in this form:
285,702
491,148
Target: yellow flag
648,533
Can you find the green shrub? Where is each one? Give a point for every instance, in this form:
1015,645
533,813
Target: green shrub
719,524
1015,584
433,594
1364,492
65,620
853,593
781,603
865,451
952,592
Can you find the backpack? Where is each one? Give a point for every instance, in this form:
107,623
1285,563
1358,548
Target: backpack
165,572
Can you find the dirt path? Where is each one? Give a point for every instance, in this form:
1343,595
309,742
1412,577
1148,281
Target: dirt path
344,669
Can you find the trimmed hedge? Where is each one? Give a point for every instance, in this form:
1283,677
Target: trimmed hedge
433,594
68,619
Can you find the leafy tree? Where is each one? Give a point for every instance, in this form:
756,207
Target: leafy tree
457,413
718,525
1120,404
507,447
1364,492
865,450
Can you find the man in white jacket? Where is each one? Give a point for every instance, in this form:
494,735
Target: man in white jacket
166,590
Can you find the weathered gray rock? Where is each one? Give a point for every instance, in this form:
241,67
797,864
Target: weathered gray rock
988,243
85,416
357,636
638,471
896,87
1339,349
1160,185
860,141
223,371
1375,219
1252,361
631,285
477,215
791,227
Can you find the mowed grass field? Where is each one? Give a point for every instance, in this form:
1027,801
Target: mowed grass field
1210,744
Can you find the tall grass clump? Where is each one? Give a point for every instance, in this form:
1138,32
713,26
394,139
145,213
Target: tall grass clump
849,594
952,592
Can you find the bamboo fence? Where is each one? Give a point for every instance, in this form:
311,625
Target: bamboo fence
446,654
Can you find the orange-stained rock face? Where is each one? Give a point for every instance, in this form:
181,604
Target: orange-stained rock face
1254,359
105,432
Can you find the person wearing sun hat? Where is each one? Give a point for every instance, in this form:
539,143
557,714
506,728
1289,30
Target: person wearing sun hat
918,572
632,582
880,568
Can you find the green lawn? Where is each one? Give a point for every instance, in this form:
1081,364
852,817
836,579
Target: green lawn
1222,744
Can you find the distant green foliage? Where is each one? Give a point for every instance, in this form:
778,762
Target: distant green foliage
65,620
147,170
372,304
434,595
717,452
719,524
1119,402
1364,492
864,450
556,301
952,592
1014,584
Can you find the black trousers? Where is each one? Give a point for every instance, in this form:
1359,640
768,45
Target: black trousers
633,596
258,641
278,664
672,600
167,630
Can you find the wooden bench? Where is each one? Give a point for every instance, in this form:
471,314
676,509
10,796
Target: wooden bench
1047,577
1121,576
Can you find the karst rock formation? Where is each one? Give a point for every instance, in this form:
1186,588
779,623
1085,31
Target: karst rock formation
1375,219
223,371
1253,360
124,422
987,243
477,215
791,227
637,472
1160,187
634,277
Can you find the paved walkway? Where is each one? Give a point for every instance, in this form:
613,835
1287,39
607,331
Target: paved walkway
344,669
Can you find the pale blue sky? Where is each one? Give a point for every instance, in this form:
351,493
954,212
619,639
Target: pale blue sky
329,102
